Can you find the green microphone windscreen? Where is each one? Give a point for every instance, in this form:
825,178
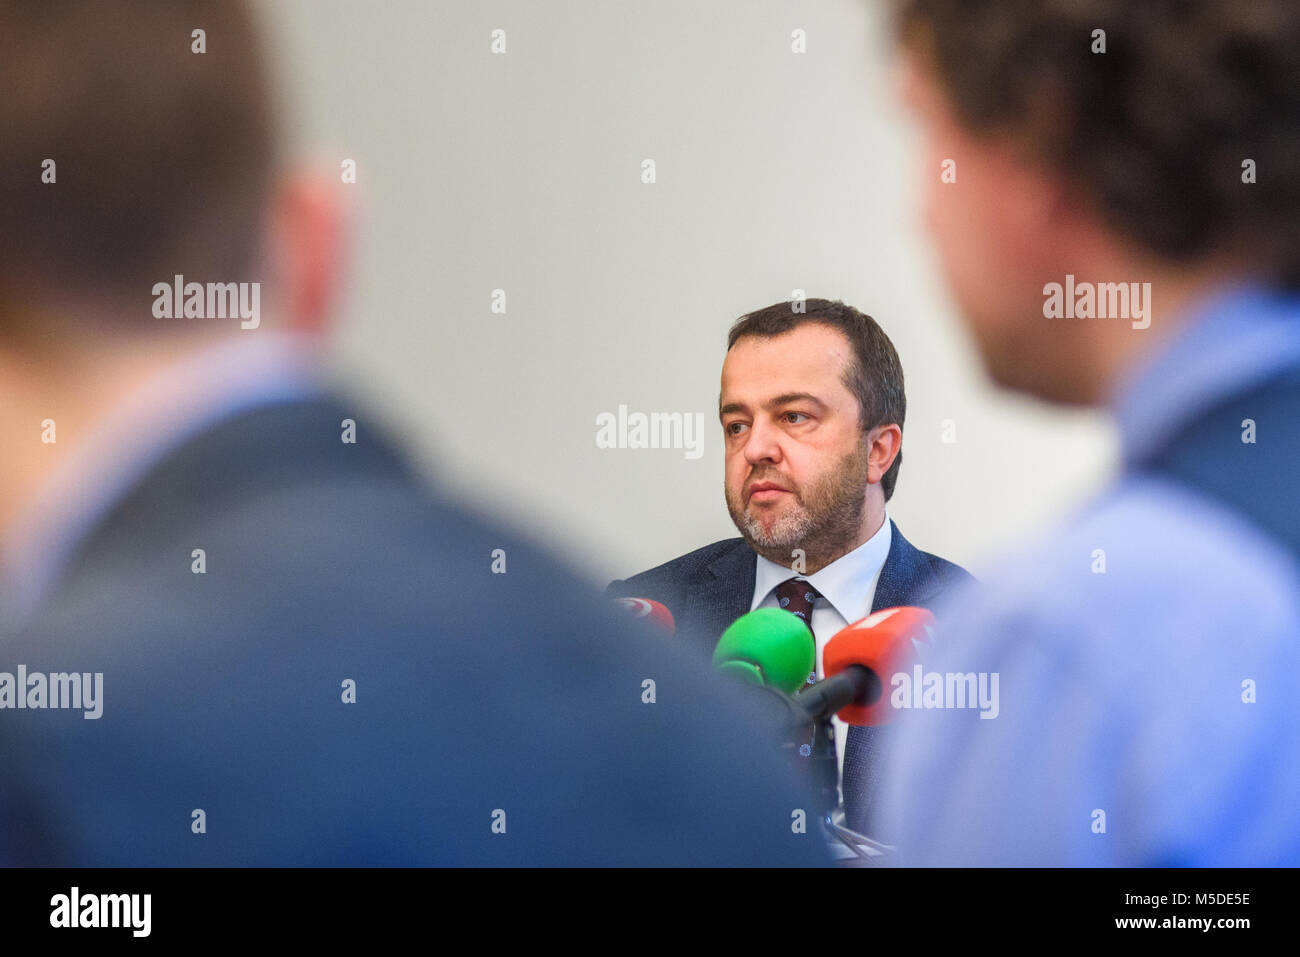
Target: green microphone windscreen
767,646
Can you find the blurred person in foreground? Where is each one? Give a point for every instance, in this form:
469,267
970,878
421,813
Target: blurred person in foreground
1122,232
234,628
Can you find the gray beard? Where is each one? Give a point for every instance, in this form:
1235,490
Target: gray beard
825,526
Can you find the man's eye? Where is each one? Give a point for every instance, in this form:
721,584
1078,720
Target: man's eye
794,418
734,428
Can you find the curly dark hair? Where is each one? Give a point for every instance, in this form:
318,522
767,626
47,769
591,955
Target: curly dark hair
1156,129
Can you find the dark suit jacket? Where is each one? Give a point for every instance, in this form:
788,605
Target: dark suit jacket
709,588
512,699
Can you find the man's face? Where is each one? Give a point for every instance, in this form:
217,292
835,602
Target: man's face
999,234
796,458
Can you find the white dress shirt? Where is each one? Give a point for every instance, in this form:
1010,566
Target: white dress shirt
847,587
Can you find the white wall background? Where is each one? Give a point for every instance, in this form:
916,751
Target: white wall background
521,171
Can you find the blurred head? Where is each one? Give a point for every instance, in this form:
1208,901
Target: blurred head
135,150
812,409
1115,158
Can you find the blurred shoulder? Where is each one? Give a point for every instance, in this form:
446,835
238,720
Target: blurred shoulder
1150,566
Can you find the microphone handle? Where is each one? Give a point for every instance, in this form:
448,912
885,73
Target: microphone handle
856,684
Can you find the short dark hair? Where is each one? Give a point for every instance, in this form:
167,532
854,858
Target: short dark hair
163,156
1157,128
875,376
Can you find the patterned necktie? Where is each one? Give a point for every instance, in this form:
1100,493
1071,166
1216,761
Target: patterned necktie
797,596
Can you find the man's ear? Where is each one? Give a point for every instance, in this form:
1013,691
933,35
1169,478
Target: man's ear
310,227
884,442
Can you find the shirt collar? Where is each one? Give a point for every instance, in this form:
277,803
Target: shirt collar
1237,338
845,583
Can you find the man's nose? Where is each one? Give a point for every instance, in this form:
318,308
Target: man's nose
764,444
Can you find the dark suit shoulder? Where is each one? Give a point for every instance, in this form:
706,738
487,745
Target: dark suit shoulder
943,576
674,573
949,572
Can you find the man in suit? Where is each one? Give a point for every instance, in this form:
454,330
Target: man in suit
1113,240
235,628
812,407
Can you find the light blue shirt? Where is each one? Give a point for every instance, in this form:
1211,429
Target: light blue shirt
1147,655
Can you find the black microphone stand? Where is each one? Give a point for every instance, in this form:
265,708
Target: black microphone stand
818,760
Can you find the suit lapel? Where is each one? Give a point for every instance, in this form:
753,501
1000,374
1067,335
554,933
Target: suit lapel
899,576
725,592
899,584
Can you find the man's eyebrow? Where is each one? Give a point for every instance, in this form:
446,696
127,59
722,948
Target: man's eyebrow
788,398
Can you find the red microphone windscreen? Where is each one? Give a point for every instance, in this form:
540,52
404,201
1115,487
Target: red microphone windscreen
886,642
651,611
